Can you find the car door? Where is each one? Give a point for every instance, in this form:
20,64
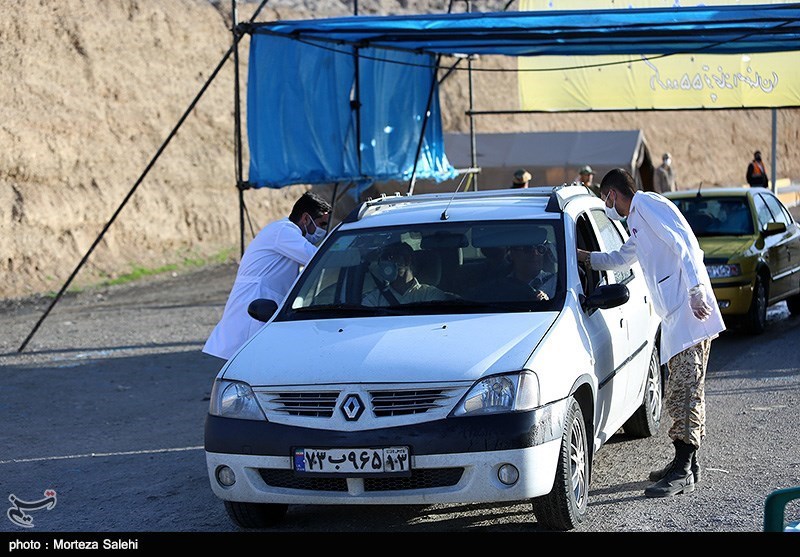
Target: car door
607,333
786,246
637,313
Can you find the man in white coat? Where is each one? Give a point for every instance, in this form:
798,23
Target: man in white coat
672,262
268,269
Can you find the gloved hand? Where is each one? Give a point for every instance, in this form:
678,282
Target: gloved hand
697,301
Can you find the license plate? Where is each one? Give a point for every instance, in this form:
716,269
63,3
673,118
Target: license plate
392,460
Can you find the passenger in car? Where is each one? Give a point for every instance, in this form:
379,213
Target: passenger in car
396,281
529,278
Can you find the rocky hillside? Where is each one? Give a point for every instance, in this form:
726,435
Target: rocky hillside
91,89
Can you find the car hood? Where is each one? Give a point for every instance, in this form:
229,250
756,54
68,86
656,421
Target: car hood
388,349
725,247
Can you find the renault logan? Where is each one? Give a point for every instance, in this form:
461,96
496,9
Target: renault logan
440,349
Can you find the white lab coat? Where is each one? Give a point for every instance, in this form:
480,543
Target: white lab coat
268,269
672,262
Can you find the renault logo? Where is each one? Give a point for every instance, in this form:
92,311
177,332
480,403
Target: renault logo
352,408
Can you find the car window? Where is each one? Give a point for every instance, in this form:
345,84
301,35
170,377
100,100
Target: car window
445,267
775,208
717,216
762,211
610,240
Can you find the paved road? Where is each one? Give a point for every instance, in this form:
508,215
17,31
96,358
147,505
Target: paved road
106,407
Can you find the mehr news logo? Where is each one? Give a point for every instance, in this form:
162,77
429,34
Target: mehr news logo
18,512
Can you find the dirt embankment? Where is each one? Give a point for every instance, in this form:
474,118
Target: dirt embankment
91,89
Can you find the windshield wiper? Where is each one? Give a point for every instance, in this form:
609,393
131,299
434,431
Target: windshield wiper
346,308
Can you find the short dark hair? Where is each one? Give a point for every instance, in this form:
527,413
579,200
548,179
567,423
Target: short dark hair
310,203
619,180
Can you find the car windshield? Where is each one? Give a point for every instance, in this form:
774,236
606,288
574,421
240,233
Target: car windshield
717,216
437,268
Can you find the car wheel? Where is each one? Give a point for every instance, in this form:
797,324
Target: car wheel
756,320
647,418
255,515
566,505
793,304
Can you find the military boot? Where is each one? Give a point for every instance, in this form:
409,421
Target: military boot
679,478
656,475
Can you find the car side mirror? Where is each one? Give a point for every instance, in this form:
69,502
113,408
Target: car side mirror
262,309
607,296
773,228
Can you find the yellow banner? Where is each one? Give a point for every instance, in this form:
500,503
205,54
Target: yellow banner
684,81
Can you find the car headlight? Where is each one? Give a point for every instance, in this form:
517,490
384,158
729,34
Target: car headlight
234,399
501,393
724,271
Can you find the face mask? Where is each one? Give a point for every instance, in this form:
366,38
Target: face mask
314,238
611,212
668,161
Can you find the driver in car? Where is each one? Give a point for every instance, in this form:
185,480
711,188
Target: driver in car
396,282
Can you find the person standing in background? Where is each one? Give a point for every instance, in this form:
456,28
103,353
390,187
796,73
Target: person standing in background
586,177
268,269
757,172
522,179
664,175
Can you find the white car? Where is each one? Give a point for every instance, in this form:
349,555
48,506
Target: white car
466,383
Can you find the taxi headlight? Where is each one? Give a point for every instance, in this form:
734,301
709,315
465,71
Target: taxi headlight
501,393
234,399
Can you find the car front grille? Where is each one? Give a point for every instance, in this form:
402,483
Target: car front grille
426,478
318,404
388,401
403,402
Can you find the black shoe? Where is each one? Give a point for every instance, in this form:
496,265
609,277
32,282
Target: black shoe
656,475
679,477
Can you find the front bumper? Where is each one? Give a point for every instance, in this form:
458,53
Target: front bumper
734,299
454,460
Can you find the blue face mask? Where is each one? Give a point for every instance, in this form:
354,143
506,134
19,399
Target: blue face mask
316,236
611,212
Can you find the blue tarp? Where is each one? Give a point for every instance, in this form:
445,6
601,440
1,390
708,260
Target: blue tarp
302,129
301,125
711,29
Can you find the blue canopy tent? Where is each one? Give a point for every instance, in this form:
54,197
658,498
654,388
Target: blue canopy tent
354,98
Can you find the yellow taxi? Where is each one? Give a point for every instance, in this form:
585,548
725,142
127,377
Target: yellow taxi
752,250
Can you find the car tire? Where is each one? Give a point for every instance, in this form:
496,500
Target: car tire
756,320
793,304
566,506
647,418
255,515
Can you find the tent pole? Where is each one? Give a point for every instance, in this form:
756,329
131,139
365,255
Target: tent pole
427,115
237,125
135,185
473,148
774,151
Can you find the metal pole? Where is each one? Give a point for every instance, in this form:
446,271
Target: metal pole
473,147
237,125
775,150
135,186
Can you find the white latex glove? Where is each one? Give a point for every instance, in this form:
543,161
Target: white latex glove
697,301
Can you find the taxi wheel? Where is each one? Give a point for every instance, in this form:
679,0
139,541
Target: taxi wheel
647,418
793,304
255,515
566,505
756,320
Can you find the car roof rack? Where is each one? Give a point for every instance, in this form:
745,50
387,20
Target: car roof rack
558,197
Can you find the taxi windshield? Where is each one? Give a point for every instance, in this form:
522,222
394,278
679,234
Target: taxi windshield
434,268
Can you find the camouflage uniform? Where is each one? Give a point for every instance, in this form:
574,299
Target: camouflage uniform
686,393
